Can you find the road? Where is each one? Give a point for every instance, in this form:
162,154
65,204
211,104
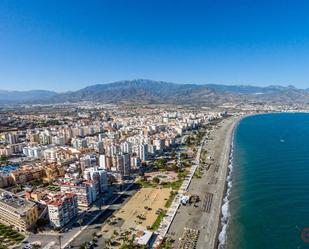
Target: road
91,219
95,227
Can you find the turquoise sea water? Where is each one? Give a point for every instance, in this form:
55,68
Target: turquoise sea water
269,199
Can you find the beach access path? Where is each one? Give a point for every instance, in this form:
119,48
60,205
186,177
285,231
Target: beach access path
172,211
206,215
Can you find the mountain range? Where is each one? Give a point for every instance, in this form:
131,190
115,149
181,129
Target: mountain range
11,97
158,92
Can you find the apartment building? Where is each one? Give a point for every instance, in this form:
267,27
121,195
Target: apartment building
86,191
27,174
16,211
62,208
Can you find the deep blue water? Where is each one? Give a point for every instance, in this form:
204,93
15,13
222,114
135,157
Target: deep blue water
269,201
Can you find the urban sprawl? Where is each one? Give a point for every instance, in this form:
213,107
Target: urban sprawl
105,176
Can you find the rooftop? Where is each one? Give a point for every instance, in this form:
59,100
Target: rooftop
59,199
144,238
8,168
19,204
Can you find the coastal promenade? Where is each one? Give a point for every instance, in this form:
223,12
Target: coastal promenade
205,217
168,219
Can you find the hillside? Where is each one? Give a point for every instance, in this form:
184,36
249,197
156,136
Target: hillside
158,92
9,97
142,91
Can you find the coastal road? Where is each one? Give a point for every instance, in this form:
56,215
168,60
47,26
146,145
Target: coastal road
205,217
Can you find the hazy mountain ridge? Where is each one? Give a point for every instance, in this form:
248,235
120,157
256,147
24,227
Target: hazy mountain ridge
248,89
146,91
25,96
149,91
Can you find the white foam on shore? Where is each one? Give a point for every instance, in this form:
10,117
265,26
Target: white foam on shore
225,211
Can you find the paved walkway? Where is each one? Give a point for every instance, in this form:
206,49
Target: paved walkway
168,219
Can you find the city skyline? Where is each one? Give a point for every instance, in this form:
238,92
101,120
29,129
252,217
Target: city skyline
70,46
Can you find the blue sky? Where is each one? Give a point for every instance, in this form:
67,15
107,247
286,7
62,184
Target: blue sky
66,45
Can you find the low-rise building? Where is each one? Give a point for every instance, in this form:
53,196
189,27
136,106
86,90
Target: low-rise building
26,174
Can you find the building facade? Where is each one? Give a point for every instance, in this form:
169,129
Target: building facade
62,209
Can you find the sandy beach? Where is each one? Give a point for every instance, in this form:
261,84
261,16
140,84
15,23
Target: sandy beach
206,215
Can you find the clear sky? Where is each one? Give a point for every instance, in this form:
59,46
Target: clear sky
66,45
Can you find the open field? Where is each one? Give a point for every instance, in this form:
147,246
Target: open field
139,211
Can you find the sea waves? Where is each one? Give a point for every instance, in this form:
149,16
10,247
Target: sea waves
225,211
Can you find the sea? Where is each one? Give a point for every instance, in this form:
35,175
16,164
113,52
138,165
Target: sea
267,201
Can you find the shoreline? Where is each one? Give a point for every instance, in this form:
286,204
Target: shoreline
223,222
246,237
213,182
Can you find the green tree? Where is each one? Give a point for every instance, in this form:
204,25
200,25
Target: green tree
156,180
173,154
3,159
